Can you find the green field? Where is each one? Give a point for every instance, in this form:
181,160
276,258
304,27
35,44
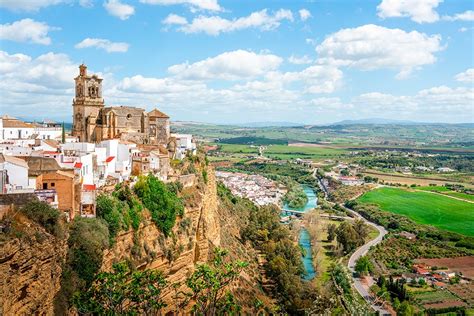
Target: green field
425,208
286,152
446,191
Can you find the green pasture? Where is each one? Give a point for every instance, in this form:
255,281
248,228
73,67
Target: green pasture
286,152
425,208
446,191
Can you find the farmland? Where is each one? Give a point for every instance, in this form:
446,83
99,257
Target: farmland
448,192
285,152
425,208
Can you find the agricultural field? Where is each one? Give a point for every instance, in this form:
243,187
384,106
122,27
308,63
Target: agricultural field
425,208
448,192
419,180
285,151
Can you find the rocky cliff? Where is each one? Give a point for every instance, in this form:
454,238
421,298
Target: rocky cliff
193,237
30,269
31,264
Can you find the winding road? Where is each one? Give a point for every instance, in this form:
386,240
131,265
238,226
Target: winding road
362,288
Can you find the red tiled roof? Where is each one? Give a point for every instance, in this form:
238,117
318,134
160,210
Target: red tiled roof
78,165
88,187
421,270
50,153
109,159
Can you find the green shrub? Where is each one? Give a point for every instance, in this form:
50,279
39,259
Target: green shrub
88,238
46,216
163,204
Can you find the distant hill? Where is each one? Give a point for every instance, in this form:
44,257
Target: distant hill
376,121
269,124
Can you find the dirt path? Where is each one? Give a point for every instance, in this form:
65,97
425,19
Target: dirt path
446,195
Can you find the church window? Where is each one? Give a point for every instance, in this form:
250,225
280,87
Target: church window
129,116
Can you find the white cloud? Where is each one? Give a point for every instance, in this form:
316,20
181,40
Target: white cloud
142,84
27,5
105,44
466,76
314,79
465,16
229,66
431,104
300,60
30,86
304,14
372,47
26,30
86,3
420,11
174,19
211,5
214,25
121,10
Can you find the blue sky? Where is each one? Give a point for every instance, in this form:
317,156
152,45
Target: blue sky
315,61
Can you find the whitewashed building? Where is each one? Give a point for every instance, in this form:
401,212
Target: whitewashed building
16,175
12,128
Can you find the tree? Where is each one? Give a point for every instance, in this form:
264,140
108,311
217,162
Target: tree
347,237
405,309
331,232
123,292
361,229
63,134
208,286
364,266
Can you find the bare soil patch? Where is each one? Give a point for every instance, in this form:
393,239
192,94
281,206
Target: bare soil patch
444,304
465,265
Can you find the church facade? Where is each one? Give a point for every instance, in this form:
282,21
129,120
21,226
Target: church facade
94,122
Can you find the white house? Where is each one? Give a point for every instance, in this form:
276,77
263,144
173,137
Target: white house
119,157
17,174
12,128
48,130
184,144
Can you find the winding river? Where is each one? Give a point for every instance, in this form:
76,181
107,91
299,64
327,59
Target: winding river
304,238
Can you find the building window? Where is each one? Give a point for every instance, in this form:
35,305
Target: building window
52,184
129,116
45,186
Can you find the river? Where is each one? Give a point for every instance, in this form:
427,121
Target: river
304,238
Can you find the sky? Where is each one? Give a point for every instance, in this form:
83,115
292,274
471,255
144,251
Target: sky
241,61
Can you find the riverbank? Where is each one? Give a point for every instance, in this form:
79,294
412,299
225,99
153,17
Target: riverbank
304,238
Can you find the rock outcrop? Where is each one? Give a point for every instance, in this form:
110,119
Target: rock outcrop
30,271
195,234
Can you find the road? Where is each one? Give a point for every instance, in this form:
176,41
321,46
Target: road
361,251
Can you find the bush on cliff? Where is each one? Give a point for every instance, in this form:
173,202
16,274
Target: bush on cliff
163,204
46,216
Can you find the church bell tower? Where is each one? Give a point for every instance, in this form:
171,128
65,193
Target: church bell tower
87,106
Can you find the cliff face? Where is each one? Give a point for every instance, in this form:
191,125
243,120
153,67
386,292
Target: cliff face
31,266
194,235
30,271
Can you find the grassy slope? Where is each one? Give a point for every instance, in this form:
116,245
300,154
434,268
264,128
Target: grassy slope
425,208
